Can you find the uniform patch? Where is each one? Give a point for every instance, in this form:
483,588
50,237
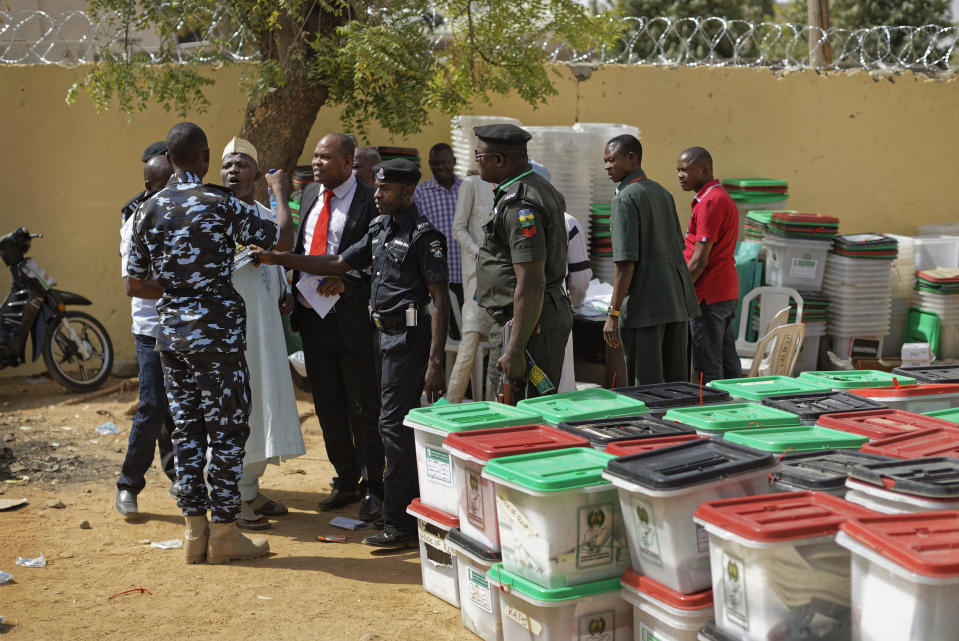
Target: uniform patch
527,222
437,248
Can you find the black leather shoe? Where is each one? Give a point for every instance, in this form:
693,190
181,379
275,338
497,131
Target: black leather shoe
126,503
393,538
371,508
340,496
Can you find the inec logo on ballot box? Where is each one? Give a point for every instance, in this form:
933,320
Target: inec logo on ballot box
597,626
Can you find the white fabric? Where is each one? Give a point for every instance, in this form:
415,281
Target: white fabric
146,320
473,207
274,423
576,252
339,208
576,283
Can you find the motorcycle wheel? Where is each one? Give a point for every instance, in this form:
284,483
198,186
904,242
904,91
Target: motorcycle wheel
63,356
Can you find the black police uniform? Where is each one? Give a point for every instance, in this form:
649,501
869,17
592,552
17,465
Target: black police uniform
406,254
185,237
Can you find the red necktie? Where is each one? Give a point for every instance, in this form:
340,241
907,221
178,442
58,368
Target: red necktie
318,245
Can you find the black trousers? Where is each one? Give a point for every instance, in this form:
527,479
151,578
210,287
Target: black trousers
346,400
405,352
152,425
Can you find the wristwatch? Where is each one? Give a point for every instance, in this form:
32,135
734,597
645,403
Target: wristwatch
612,312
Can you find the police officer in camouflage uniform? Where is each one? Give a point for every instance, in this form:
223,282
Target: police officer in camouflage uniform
408,259
185,237
521,267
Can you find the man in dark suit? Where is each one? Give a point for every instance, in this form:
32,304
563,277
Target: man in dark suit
336,212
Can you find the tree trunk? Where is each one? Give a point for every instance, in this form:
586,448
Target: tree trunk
279,123
820,51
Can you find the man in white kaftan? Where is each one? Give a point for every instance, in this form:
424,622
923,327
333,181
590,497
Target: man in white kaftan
275,431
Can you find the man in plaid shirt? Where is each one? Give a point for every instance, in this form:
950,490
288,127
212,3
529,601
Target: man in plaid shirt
436,199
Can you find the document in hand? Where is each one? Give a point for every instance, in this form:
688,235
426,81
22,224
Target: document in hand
321,304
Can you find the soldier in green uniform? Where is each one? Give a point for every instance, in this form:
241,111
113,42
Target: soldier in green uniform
653,296
521,266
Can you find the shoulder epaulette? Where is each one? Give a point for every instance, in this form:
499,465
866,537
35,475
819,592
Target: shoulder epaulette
379,220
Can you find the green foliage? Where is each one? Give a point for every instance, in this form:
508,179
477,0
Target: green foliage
710,38
730,9
853,14
386,62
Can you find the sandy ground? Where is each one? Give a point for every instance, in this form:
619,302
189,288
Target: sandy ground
305,589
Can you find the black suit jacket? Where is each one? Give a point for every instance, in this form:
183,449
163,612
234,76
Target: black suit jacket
352,310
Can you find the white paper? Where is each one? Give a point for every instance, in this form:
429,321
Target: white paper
347,523
321,304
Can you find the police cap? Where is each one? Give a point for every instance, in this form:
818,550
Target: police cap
505,135
156,149
397,170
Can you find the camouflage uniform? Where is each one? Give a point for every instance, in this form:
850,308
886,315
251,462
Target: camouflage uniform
185,236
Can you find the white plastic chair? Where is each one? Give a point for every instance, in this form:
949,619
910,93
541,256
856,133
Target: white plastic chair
478,376
771,302
778,351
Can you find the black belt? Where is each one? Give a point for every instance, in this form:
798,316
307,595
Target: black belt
395,320
504,315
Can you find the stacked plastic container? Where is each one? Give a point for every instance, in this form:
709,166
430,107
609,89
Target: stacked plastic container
937,292
582,405
796,246
906,486
823,471
463,140
905,575
777,571
903,280
716,420
659,490
759,387
914,398
858,282
601,187
563,546
659,398
436,509
476,544
751,194
566,154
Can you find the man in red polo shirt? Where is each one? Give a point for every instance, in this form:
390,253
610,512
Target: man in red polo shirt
709,253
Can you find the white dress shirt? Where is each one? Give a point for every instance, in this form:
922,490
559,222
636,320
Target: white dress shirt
339,208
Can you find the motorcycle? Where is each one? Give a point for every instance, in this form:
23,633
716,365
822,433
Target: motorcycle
76,348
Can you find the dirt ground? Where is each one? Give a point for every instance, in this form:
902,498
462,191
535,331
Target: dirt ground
304,589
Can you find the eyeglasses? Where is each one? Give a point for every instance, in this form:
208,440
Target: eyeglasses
479,156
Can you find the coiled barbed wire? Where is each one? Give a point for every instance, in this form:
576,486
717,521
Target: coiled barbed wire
74,37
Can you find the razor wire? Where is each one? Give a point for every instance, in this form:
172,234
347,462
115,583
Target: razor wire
75,37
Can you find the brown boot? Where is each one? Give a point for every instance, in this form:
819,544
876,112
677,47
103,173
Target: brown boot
197,533
228,544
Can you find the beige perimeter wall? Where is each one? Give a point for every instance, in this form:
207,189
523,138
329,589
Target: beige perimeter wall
877,152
